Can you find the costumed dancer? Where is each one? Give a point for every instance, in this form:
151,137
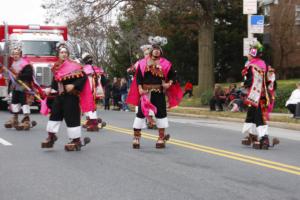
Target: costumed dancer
20,71
97,81
70,82
153,81
150,121
258,99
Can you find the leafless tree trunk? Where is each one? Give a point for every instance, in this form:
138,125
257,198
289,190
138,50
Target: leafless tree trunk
206,58
206,48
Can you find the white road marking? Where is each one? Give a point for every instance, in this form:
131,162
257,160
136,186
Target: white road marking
5,143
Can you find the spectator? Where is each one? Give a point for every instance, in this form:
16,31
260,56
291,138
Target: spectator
116,94
237,102
293,100
107,94
218,98
124,92
188,89
232,91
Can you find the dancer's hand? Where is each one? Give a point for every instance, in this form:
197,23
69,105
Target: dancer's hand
69,87
47,91
166,85
142,91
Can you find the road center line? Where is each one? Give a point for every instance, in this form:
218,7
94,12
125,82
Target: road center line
232,155
5,143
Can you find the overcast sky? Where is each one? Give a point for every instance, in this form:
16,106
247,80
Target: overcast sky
22,12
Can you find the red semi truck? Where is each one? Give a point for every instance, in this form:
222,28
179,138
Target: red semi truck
38,44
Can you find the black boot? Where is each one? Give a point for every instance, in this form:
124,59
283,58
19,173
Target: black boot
263,143
75,144
136,138
49,142
162,139
13,122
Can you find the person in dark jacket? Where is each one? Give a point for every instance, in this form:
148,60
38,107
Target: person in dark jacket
69,80
124,93
107,95
116,94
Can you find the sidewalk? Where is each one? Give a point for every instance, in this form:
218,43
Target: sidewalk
279,120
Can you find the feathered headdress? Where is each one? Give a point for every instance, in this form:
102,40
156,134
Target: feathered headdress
87,58
15,46
158,40
146,47
61,45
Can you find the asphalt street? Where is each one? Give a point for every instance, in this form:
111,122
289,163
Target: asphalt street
203,160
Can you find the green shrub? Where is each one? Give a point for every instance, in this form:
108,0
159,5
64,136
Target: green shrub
282,96
205,97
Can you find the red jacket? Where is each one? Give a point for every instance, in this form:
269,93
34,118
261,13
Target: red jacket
188,86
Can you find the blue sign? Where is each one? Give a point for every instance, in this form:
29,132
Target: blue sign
257,20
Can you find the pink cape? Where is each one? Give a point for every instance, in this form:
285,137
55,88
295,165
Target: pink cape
174,93
258,63
87,102
68,67
89,69
24,61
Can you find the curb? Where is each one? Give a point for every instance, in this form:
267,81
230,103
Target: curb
291,126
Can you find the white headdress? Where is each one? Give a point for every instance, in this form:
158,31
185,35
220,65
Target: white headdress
158,40
85,54
146,47
15,46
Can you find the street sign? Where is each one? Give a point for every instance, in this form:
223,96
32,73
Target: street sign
247,43
257,24
249,7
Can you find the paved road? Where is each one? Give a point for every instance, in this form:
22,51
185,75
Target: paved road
204,160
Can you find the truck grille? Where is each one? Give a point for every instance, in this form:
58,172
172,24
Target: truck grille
43,75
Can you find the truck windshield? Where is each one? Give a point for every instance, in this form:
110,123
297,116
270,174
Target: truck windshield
39,48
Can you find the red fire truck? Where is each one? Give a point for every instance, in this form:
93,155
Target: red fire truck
38,45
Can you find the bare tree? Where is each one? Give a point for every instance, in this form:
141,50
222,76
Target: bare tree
283,36
197,15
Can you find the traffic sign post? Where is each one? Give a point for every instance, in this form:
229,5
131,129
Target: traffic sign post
249,7
257,24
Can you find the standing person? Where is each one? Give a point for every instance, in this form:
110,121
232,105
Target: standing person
68,80
153,81
116,95
96,81
255,81
150,120
124,93
188,89
107,95
21,69
293,100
